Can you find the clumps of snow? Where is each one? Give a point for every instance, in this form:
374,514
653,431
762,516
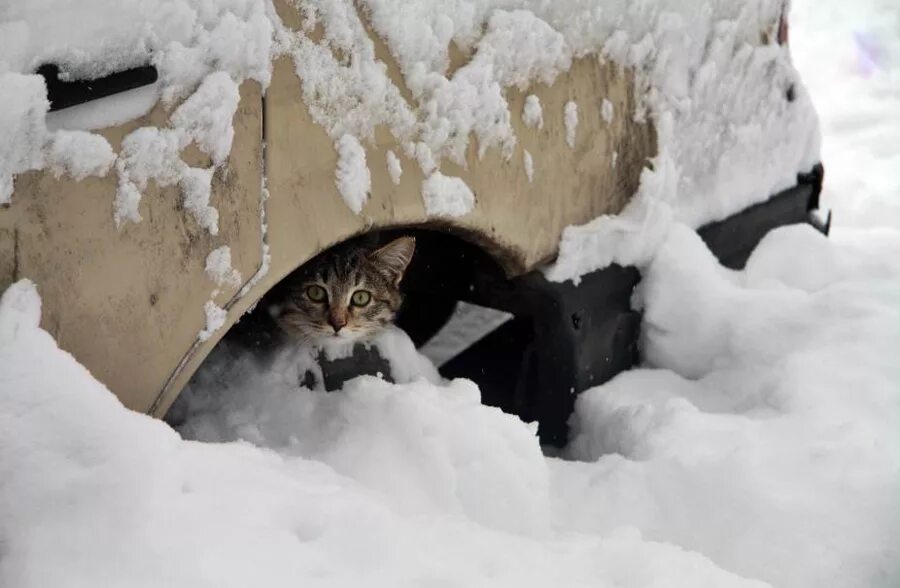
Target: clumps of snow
24,102
606,110
215,319
345,96
146,153
352,176
155,153
516,47
394,168
753,443
205,117
570,118
532,113
218,267
203,52
769,405
528,161
446,195
523,49
196,191
20,311
79,154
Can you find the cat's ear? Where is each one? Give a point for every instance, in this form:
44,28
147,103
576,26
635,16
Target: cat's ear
394,257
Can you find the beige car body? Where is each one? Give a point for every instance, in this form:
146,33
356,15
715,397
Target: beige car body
128,302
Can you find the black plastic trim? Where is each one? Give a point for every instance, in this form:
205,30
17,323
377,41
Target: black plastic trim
63,94
733,239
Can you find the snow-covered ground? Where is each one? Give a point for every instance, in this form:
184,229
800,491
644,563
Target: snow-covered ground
760,446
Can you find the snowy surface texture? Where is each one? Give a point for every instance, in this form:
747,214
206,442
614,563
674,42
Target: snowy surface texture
856,91
759,450
352,175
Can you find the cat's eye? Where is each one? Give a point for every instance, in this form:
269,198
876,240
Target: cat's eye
316,293
361,298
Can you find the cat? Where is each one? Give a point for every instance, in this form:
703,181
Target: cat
346,295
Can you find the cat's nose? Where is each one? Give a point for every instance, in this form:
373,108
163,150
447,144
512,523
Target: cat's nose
337,322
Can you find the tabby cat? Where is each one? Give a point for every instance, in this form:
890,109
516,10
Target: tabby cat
346,294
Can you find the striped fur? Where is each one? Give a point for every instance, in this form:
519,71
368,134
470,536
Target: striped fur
342,272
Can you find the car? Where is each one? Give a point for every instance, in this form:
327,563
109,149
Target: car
489,149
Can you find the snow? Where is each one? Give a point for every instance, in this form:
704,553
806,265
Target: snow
352,175
196,190
395,170
79,154
528,162
189,42
147,153
756,446
447,195
105,112
22,127
218,267
570,117
205,117
606,110
777,422
215,318
706,78
532,114
856,91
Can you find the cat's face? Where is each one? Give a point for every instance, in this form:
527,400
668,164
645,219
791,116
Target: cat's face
347,295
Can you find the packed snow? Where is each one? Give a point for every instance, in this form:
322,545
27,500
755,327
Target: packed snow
757,446
215,319
218,267
532,113
528,162
352,176
570,118
447,195
607,110
395,168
